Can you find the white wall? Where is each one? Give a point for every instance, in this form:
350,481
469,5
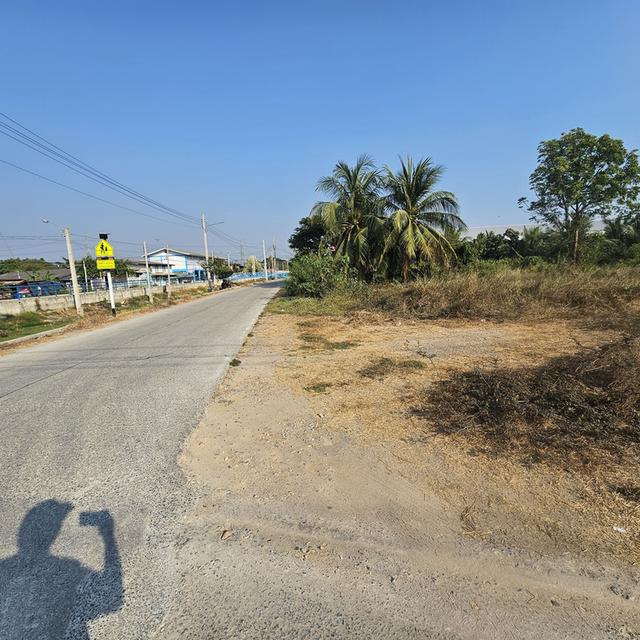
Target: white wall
53,303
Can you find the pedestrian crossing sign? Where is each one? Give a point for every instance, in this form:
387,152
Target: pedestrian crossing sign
104,250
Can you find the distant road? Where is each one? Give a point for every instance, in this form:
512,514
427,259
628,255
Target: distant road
93,422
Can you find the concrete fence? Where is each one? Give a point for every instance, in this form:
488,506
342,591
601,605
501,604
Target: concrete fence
53,303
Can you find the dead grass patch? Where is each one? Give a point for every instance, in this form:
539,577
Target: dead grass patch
576,410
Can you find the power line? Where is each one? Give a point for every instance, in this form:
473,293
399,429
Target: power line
100,182
48,149
84,193
80,163
55,153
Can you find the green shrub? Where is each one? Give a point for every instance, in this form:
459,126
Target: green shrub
633,254
315,275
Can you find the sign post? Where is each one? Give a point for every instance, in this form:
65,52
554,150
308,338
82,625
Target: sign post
106,262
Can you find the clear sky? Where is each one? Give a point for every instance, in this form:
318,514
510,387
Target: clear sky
238,108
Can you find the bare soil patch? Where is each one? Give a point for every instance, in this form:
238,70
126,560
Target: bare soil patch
531,430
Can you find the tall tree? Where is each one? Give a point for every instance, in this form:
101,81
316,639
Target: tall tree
419,216
353,217
580,176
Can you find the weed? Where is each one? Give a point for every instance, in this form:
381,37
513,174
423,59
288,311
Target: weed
235,362
322,342
383,367
310,337
320,387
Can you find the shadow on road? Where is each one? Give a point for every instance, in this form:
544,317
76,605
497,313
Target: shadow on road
51,597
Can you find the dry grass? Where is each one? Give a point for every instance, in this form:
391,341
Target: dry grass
504,295
577,411
567,483
529,401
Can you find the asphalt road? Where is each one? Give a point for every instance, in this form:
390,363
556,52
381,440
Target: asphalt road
90,493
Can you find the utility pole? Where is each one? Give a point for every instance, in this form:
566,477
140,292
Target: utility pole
275,259
242,253
264,255
206,252
228,259
86,279
146,262
84,265
168,274
74,275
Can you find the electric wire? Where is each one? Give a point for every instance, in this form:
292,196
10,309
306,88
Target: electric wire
84,193
70,161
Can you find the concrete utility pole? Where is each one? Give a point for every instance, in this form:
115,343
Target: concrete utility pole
146,262
86,279
264,256
275,259
206,252
228,259
168,273
242,253
74,275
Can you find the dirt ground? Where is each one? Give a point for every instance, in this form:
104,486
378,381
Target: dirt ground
329,507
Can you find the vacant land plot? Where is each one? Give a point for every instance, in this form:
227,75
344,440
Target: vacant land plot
328,460
531,430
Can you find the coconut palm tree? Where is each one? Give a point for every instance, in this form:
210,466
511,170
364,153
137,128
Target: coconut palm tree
353,218
419,217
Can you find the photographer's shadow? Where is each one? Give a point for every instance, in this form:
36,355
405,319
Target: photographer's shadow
51,597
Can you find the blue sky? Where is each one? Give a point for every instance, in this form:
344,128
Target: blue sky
238,108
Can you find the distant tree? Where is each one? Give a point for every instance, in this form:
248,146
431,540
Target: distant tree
217,267
252,265
26,265
580,176
308,235
490,245
123,268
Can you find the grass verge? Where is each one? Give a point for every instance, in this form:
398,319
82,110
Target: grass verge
26,324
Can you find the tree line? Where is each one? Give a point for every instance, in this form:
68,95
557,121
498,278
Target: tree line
396,224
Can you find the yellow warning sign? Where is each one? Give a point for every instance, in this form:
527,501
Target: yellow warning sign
105,264
104,250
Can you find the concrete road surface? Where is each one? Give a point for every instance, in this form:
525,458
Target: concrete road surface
90,427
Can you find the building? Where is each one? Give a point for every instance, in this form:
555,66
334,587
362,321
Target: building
24,284
183,266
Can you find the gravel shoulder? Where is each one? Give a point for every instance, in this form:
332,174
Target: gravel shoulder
319,512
